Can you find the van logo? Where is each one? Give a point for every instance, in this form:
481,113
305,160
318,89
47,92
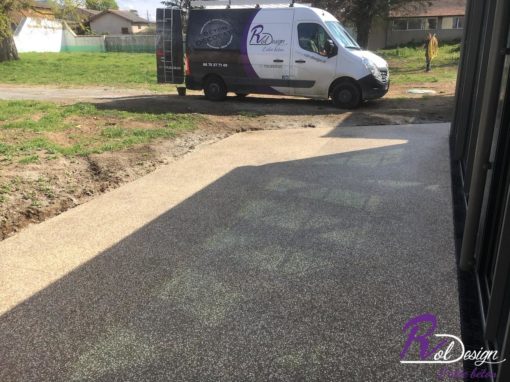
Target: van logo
259,37
215,34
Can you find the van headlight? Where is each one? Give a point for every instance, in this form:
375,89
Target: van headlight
373,69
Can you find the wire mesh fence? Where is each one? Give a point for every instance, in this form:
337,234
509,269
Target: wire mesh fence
130,43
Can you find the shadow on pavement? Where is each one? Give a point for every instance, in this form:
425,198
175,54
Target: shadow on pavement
434,108
296,271
171,103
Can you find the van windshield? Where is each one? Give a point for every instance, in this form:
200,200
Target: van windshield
341,35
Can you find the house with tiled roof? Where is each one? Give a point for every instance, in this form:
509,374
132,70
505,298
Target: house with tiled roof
414,22
86,14
113,22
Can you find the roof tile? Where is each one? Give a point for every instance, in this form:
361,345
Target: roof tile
435,8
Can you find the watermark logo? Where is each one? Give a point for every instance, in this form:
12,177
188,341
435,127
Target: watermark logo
435,348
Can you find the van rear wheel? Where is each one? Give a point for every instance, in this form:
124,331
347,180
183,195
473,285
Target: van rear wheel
215,89
346,95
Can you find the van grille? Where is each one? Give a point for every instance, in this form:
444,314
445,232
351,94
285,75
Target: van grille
384,75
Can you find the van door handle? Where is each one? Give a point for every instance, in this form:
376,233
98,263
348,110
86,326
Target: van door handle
300,61
277,60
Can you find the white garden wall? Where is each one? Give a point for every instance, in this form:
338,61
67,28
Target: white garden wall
39,35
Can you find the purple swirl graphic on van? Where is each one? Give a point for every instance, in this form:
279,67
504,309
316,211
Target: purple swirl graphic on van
248,69
245,60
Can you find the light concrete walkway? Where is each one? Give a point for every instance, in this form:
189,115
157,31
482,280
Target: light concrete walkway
275,255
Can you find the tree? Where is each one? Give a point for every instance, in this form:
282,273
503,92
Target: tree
176,3
101,5
362,12
69,11
8,8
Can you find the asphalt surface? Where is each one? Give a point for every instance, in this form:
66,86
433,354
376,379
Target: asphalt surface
293,255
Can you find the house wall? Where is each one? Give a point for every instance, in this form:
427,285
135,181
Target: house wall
382,36
110,24
39,35
139,28
404,37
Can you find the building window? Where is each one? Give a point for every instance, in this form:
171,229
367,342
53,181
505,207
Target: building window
399,25
415,23
125,30
431,23
456,22
312,37
139,27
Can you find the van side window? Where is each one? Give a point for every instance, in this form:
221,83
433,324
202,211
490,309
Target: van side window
312,37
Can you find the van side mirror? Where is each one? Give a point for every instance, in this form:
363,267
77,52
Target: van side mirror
330,47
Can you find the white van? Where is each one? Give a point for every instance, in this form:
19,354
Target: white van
267,49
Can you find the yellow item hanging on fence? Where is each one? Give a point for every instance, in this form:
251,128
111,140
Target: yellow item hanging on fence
433,47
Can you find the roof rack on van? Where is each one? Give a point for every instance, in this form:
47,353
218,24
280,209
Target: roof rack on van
219,4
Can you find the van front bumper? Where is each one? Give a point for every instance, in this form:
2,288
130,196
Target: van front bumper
371,88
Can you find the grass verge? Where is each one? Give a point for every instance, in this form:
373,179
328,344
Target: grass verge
82,69
407,64
32,130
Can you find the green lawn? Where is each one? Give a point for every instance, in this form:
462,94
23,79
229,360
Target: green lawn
67,69
139,69
30,130
407,65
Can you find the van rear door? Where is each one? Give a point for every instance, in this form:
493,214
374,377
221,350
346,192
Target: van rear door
169,46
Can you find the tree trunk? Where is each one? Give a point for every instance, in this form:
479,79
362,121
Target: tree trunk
8,51
363,29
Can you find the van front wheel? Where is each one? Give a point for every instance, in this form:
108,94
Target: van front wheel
215,89
346,95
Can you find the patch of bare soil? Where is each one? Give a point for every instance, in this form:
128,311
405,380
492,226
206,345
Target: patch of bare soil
34,192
